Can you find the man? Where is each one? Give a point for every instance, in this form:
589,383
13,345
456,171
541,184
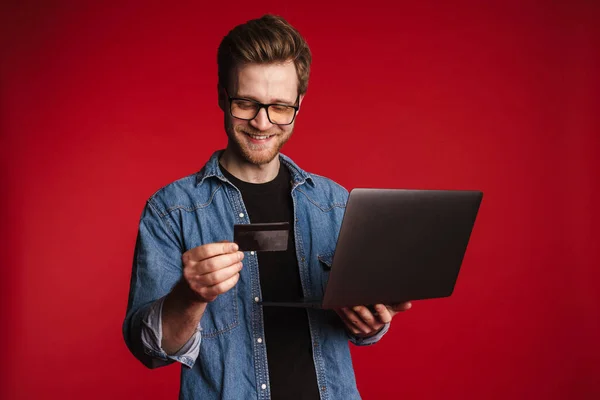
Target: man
195,297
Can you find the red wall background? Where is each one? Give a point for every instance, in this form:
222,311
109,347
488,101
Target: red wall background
102,104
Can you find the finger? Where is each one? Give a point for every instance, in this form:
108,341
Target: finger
211,292
209,250
213,278
349,325
384,315
367,317
401,307
215,263
356,321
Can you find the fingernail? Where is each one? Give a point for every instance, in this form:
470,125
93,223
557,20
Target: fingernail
234,247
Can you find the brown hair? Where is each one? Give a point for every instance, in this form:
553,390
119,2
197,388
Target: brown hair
264,40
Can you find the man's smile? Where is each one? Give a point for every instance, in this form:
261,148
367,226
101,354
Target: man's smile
262,138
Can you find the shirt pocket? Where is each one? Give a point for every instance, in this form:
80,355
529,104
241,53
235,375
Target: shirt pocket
325,261
221,315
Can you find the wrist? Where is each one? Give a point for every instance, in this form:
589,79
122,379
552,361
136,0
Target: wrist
371,334
184,298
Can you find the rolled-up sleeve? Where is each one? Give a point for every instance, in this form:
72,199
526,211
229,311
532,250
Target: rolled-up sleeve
360,341
151,335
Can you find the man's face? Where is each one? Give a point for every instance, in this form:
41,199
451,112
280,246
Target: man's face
258,141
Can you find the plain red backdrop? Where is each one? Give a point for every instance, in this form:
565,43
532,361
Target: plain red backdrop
102,103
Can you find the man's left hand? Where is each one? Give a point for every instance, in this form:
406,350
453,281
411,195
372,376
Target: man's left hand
363,323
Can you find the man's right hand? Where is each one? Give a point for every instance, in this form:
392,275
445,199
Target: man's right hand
212,269
208,271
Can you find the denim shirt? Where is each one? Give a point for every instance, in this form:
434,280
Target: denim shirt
226,358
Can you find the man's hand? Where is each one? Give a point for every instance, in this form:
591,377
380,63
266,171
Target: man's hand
212,269
361,322
208,271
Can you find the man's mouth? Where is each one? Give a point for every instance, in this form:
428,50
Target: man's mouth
259,137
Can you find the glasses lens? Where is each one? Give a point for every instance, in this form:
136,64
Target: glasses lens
280,114
243,109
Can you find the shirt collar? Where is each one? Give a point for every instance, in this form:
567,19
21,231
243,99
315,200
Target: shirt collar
212,169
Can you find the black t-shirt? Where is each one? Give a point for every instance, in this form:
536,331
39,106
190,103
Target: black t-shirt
287,337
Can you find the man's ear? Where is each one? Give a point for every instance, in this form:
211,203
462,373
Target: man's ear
222,97
300,102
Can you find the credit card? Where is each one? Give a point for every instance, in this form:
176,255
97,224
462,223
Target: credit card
262,237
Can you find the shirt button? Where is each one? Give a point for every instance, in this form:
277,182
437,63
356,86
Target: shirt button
252,253
241,215
263,386
259,340
256,299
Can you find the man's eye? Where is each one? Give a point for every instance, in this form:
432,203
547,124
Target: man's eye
246,105
281,109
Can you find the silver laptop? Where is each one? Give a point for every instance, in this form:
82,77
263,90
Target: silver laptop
397,245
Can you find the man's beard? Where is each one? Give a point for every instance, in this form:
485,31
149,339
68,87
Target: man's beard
257,154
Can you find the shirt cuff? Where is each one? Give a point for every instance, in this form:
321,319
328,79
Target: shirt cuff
366,341
152,339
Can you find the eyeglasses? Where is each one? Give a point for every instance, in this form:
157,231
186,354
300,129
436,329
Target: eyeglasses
248,109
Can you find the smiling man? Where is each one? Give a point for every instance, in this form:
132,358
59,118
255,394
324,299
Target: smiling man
257,131
195,298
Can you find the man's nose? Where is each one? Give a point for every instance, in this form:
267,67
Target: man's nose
261,121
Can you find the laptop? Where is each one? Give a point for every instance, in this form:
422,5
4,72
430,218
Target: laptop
397,245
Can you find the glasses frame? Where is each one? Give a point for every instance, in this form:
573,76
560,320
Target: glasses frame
261,106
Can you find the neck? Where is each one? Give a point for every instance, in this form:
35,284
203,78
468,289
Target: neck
247,171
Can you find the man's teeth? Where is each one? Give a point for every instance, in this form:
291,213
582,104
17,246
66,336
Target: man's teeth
259,137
